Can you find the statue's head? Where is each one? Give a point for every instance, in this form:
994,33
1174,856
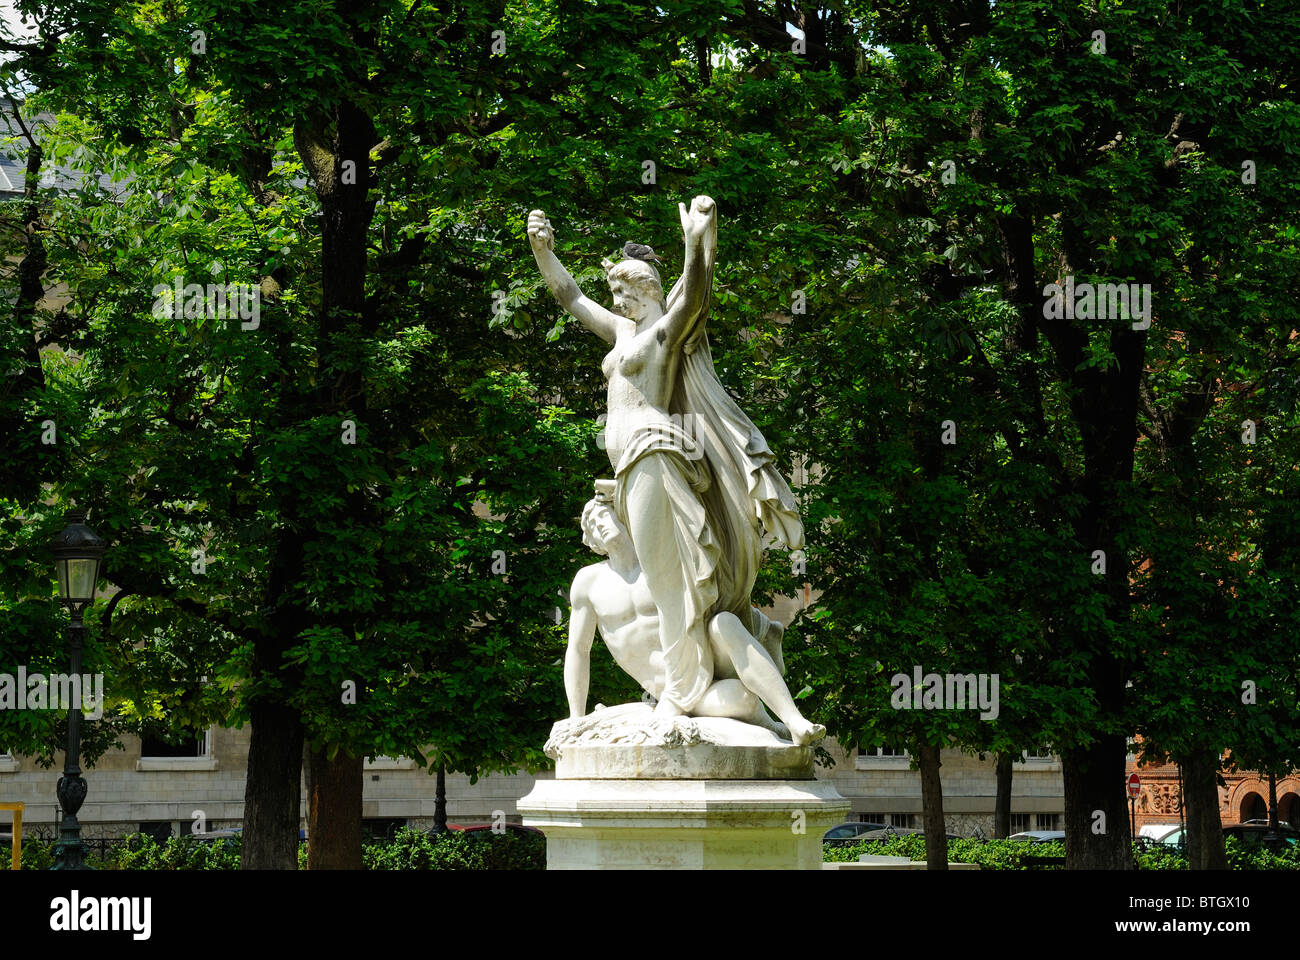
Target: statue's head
600,524
635,285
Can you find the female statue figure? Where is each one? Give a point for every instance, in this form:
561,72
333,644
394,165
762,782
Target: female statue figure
694,481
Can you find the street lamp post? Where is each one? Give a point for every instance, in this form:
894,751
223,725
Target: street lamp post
78,555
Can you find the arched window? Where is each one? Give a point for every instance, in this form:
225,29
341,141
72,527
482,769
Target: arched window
1288,809
1253,807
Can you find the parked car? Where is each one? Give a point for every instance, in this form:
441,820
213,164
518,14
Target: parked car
212,836
224,837
1283,826
1251,835
480,830
891,831
1257,835
847,834
1155,831
1038,836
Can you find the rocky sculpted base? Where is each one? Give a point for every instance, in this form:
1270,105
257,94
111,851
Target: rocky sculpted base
628,742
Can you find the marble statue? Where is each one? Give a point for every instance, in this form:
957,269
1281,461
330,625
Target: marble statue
695,488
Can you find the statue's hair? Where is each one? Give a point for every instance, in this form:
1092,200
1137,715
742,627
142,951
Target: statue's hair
589,523
642,275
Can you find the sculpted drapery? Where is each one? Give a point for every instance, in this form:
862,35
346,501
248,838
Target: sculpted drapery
722,501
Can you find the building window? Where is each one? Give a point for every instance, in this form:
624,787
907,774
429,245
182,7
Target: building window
882,758
1039,752
1288,809
1049,821
156,748
382,762
160,831
1253,807
902,821
157,754
1020,823
376,829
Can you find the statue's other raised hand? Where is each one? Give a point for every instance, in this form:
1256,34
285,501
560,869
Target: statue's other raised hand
697,220
540,233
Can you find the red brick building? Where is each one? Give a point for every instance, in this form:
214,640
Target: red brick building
1244,797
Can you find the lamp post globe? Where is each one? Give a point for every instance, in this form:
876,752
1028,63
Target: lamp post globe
78,557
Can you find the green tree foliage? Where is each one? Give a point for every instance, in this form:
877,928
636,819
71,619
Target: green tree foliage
897,189
969,156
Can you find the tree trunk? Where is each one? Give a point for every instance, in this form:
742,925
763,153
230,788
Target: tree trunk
1096,818
1204,834
1002,805
334,822
273,789
27,461
336,152
440,801
1097,831
1272,804
271,792
936,833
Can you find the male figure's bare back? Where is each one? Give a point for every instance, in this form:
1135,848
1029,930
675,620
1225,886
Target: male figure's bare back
628,621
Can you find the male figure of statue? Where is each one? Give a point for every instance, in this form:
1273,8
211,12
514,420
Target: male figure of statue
612,595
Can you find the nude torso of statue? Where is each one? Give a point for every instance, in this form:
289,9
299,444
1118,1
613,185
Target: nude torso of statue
628,621
640,370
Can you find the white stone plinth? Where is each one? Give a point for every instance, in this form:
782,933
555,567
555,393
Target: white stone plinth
683,824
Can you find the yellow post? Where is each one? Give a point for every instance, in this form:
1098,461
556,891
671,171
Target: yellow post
17,843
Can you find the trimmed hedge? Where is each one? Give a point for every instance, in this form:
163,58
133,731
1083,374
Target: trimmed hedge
414,850
37,855
989,854
409,850
1012,854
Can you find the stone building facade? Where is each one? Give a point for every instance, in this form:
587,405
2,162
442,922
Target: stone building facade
131,790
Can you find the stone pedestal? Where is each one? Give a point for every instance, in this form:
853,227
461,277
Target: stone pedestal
693,824
634,792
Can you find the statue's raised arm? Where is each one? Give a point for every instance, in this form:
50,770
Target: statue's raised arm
541,237
688,303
